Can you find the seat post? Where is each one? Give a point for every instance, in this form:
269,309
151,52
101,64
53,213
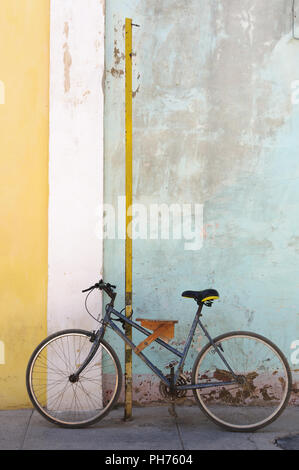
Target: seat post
200,305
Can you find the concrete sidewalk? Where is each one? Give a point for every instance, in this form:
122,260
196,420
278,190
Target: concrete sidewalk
152,428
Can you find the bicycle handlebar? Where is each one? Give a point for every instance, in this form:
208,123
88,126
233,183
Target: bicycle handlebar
90,288
108,288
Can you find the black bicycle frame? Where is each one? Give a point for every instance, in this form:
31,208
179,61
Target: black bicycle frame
107,321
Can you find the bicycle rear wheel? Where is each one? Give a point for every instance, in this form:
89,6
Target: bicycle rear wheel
264,381
59,400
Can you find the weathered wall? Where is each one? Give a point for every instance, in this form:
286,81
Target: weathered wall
24,117
214,124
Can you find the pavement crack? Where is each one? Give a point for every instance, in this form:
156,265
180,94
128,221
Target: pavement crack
172,412
250,439
179,433
26,430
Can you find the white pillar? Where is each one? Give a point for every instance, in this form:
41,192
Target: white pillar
76,160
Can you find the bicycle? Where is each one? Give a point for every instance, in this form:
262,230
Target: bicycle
240,380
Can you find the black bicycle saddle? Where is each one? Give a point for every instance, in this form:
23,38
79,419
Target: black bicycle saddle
201,295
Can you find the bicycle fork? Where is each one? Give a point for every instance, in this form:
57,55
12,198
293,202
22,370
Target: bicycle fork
95,339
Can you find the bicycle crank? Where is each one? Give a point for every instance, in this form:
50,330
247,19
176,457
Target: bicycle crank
173,396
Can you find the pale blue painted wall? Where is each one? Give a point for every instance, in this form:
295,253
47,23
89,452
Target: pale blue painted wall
213,124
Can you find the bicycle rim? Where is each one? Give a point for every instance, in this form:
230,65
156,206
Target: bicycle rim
265,376
61,401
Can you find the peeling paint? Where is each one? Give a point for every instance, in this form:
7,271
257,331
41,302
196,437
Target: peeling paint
116,73
97,44
135,92
67,60
66,29
118,56
103,3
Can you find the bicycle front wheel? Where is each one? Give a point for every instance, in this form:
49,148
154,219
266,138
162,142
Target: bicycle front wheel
52,393
263,385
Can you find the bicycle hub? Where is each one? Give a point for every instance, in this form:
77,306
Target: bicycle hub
73,378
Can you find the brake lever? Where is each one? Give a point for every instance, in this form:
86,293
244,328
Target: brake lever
111,285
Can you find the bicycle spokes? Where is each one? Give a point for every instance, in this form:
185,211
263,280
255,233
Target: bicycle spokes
261,384
62,399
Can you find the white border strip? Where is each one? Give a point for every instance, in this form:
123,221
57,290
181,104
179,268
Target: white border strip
75,158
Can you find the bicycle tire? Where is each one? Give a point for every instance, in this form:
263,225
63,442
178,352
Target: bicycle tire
198,393
83,336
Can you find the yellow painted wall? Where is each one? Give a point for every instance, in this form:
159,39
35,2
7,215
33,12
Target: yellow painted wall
24,118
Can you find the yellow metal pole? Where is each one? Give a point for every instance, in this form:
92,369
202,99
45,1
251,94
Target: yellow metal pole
128,250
